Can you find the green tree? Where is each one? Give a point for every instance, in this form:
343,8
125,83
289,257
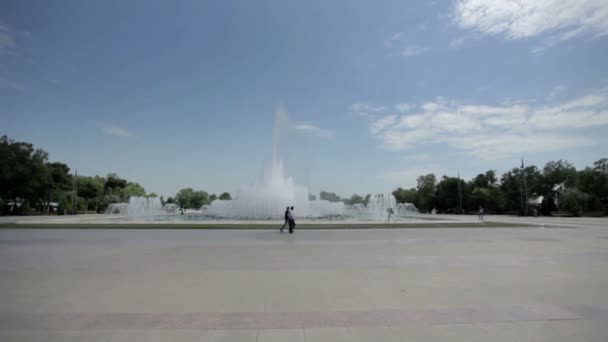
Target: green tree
225,196
447,197
556,173
355,199
366,200
512,186
406,196
23,172
190,199
572,200
114,183
329,196
601,166
133,190
426,191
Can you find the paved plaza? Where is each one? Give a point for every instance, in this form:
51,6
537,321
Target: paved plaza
427,284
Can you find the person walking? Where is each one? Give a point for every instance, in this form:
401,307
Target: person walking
292,220
286,224
480,213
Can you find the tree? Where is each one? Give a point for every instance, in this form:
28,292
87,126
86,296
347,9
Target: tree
556,173
212,197
511,185
406,196
225,196
329,196
312,197
447,197
366,200
133,190
114,183
23,172
190,199
601,166
152,195
355,199
426,191
572,200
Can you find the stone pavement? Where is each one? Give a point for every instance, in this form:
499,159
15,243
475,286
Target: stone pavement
497,284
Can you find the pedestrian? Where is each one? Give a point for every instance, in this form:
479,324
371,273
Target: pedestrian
292,220
480,213
286,224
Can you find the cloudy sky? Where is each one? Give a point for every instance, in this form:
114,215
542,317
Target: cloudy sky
182,93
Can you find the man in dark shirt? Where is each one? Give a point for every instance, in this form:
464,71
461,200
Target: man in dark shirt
286,219
292,221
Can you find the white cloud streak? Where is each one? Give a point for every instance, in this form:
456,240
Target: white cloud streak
114,130
320,132
495,131
404,107
410,51
515,19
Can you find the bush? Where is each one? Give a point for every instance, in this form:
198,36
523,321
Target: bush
572,200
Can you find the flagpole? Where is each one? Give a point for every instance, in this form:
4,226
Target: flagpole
459,195
525,189
521,187
75,193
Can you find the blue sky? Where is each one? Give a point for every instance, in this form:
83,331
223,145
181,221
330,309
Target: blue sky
182,93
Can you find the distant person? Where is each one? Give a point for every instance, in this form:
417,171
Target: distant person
390,212
480,213
292,221
286,224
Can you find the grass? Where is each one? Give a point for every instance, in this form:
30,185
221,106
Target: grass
257,226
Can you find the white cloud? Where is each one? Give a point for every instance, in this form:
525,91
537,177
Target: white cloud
404,107
307,128
380,124
410,51
366,110
457,42
388,43
515,19
417,157
111,129
495,131
558,89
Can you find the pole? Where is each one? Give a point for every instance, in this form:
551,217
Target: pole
459,195
525,189
521,187
74,194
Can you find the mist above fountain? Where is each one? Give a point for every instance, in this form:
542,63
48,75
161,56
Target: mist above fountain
269,197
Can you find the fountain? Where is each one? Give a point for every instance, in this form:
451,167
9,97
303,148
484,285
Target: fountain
269,197
136,207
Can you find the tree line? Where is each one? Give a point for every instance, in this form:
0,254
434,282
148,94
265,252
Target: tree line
562,187
30,182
